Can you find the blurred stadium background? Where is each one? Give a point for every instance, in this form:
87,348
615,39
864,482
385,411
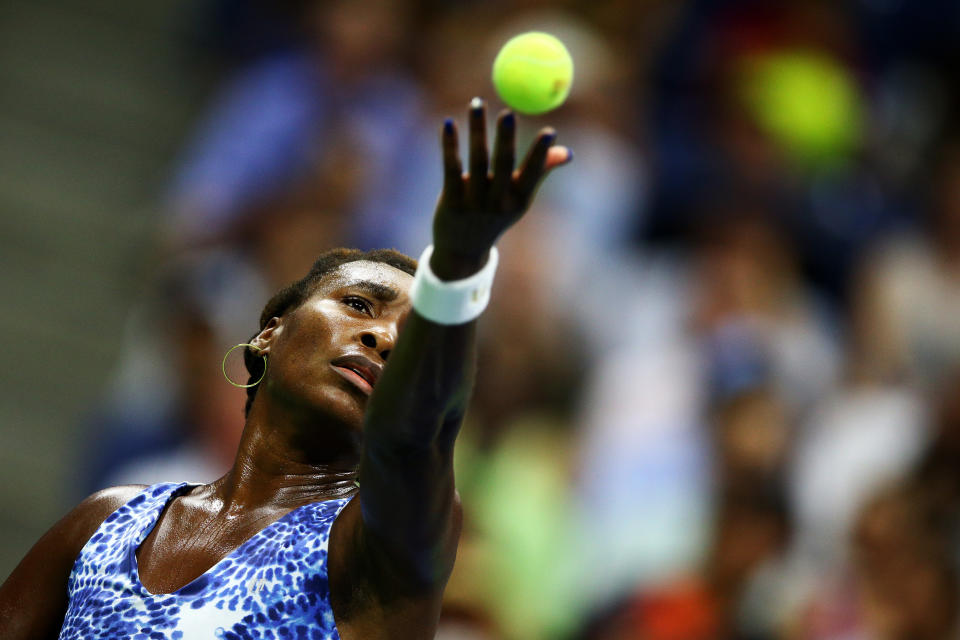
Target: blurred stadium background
719,391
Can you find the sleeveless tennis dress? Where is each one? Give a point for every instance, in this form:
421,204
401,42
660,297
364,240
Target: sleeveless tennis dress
274,585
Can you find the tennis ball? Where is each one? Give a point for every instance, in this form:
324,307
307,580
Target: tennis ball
533,72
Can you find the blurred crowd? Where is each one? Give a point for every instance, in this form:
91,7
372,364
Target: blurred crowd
719,379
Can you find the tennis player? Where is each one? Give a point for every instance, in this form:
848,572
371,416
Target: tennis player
339,517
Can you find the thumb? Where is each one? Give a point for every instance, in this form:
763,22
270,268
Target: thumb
557,155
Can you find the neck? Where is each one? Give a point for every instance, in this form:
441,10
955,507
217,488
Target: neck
286,459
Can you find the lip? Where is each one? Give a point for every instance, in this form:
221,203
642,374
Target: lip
353,377
358,369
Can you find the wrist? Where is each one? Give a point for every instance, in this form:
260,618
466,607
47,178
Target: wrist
454,301
448,265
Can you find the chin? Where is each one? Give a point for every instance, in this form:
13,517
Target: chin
333,422
345,406
334,401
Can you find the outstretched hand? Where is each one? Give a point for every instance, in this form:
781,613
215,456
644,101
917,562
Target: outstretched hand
475,208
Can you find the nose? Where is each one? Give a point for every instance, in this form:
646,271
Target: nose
379,340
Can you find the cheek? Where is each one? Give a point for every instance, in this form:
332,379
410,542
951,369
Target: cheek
303,377
305,350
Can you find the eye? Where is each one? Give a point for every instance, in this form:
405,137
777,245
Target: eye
357,303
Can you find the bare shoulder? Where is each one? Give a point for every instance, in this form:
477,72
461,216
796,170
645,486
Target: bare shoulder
94,509
33,599
73,530
76,527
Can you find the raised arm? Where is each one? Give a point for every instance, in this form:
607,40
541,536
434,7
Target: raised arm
410,510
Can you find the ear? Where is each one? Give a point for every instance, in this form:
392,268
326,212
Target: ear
268,334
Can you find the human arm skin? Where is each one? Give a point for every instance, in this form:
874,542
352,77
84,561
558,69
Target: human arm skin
33,600
409,507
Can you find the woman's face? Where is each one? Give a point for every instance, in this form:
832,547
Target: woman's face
323,356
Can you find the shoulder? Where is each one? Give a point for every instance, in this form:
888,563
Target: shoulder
71,532
76,527
94,509
112,496
36,591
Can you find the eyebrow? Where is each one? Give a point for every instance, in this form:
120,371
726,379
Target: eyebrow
375,289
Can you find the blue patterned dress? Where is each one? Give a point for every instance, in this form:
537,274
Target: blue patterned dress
274,585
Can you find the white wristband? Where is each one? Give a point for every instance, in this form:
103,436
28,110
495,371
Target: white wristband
453,301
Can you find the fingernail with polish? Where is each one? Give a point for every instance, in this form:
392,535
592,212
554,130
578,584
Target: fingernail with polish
476,103
448,125
509,120
569,156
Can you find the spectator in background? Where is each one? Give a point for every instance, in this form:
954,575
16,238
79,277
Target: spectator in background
343,84
902,345
937,472
861,437
898,577
769,96
647,483
171,413
904,581
752,438
750,288
280,236
738,590
910,289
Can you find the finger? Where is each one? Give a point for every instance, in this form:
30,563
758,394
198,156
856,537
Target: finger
504,152
535,164
477,184
452,167
557,155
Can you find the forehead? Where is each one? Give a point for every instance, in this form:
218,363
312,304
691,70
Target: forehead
368,271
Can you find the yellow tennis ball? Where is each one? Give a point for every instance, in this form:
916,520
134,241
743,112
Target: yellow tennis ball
533,72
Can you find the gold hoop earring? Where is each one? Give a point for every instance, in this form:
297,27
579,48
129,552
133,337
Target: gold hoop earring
224,366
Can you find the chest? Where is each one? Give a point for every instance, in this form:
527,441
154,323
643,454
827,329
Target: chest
276,565
183,546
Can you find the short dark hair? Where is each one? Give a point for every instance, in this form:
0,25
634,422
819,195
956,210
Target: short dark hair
293,295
